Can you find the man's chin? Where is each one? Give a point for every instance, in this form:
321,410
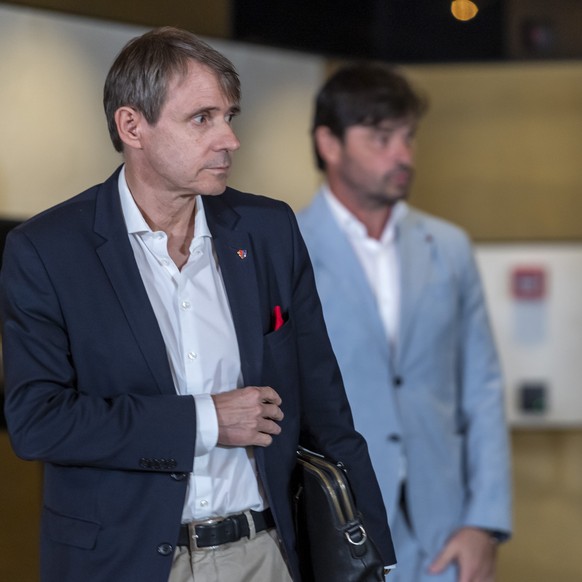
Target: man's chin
398,197
390,198
214,191
213,187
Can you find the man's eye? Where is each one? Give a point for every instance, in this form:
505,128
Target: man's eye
199,119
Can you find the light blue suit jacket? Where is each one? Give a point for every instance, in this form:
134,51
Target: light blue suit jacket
437,399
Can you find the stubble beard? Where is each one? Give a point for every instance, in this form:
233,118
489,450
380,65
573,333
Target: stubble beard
389,194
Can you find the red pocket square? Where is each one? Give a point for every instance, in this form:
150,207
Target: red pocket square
278,320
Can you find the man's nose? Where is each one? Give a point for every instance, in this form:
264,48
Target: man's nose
228,140
404,151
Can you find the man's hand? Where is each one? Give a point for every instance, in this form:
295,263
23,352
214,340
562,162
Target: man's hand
248,416
474,550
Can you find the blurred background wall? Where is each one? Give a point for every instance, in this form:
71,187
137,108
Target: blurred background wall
498,153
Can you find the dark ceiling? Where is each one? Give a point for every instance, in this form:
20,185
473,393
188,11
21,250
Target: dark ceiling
396,30
393,30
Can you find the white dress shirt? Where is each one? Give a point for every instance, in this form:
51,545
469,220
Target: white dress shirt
194,317
379,259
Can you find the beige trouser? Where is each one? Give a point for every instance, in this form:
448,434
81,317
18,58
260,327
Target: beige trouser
249,560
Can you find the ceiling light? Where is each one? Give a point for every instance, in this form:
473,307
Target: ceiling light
464,9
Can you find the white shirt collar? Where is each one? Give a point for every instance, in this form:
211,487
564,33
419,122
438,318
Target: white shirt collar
136,223
355,228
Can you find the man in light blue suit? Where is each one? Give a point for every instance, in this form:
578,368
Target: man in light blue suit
406,315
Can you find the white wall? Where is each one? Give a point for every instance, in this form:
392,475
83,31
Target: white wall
539,339
278,87
54,137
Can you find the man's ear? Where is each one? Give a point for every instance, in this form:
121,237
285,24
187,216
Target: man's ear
328,145
128,122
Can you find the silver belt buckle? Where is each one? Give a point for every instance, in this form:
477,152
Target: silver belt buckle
193,538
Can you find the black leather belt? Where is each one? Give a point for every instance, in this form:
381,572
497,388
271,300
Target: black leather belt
225,530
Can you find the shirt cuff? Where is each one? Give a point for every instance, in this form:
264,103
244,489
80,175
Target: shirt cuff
206,424
497,536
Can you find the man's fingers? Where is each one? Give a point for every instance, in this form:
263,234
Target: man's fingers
269,395
442,560
248,416
268,426
273,412
262,440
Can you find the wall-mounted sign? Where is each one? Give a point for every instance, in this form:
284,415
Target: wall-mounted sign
528,283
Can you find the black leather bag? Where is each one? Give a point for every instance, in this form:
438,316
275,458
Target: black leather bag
332,542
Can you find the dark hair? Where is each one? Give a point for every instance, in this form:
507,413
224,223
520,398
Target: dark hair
141,72
364,94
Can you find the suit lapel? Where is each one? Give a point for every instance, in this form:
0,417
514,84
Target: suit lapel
119,263
239,275
238,268
414,250
340,260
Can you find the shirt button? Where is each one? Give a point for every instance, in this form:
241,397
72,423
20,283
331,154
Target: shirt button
165,262
192,355
185,305
204,503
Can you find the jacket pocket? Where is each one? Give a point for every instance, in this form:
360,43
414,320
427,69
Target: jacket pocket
277,338
70,530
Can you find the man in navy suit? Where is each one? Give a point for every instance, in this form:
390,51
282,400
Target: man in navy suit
406,316
165,350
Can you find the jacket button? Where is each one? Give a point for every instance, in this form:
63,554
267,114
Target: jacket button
165,549
179,476
398,381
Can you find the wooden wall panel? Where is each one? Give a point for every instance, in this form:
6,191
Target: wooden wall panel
204,17
500,148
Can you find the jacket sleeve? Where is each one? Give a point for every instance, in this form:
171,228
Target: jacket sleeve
482,414
50,416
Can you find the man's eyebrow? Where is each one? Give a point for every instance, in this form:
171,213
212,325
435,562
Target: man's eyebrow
385,129
389,126
233,110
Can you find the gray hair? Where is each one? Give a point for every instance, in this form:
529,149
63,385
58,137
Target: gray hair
140,74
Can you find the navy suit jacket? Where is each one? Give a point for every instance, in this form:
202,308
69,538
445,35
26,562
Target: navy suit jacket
89,389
